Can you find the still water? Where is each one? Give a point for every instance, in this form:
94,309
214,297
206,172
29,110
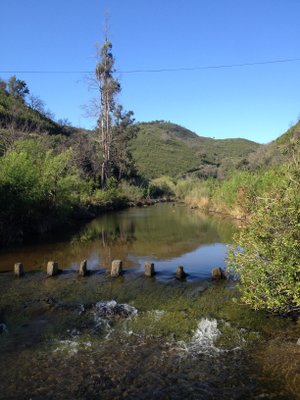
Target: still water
134,337
166,234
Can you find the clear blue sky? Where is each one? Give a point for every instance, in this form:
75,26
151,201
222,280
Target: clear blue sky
255,102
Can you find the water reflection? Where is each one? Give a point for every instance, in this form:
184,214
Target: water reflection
167,234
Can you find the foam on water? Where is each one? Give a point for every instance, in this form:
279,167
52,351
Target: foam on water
204,337
206,333
107,311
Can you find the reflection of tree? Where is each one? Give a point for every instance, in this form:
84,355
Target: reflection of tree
163,232
108,234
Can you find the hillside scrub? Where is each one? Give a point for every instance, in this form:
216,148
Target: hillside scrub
16,116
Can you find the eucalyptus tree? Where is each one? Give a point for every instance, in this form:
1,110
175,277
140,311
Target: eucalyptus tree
109,87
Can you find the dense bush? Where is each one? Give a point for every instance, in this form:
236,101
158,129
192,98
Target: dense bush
162,187
131,192
267,258
228,195
37,189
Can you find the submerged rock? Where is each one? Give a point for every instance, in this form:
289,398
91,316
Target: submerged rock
218,274
111,309
108,311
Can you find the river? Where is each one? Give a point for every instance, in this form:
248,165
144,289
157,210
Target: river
133,337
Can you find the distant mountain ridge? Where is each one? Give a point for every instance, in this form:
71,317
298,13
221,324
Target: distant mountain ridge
165,148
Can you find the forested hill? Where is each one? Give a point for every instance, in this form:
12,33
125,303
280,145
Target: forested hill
164,148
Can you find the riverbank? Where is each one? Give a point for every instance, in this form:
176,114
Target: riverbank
235,196
131,337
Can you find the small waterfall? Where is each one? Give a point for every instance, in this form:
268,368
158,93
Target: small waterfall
203,340
206,333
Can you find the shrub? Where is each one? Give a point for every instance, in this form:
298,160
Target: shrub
160,187
37,188
131,192
269,262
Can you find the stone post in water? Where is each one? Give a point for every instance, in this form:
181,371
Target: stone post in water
18,270
52,268
180,273
83,271
149,269
116,268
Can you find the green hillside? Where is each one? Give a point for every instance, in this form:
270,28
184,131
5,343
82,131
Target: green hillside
163,148
274,152
293,132
16,115
160,148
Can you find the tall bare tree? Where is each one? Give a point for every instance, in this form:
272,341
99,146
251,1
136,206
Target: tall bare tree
109,87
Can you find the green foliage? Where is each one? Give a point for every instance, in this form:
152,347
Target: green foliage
160,187
107,199
241,189
124,130
37,188
267,258
131,192
235,195
195,189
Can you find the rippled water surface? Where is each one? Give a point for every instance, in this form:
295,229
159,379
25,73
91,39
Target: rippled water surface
134,337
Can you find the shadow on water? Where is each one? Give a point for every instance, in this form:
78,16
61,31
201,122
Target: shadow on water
133,337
